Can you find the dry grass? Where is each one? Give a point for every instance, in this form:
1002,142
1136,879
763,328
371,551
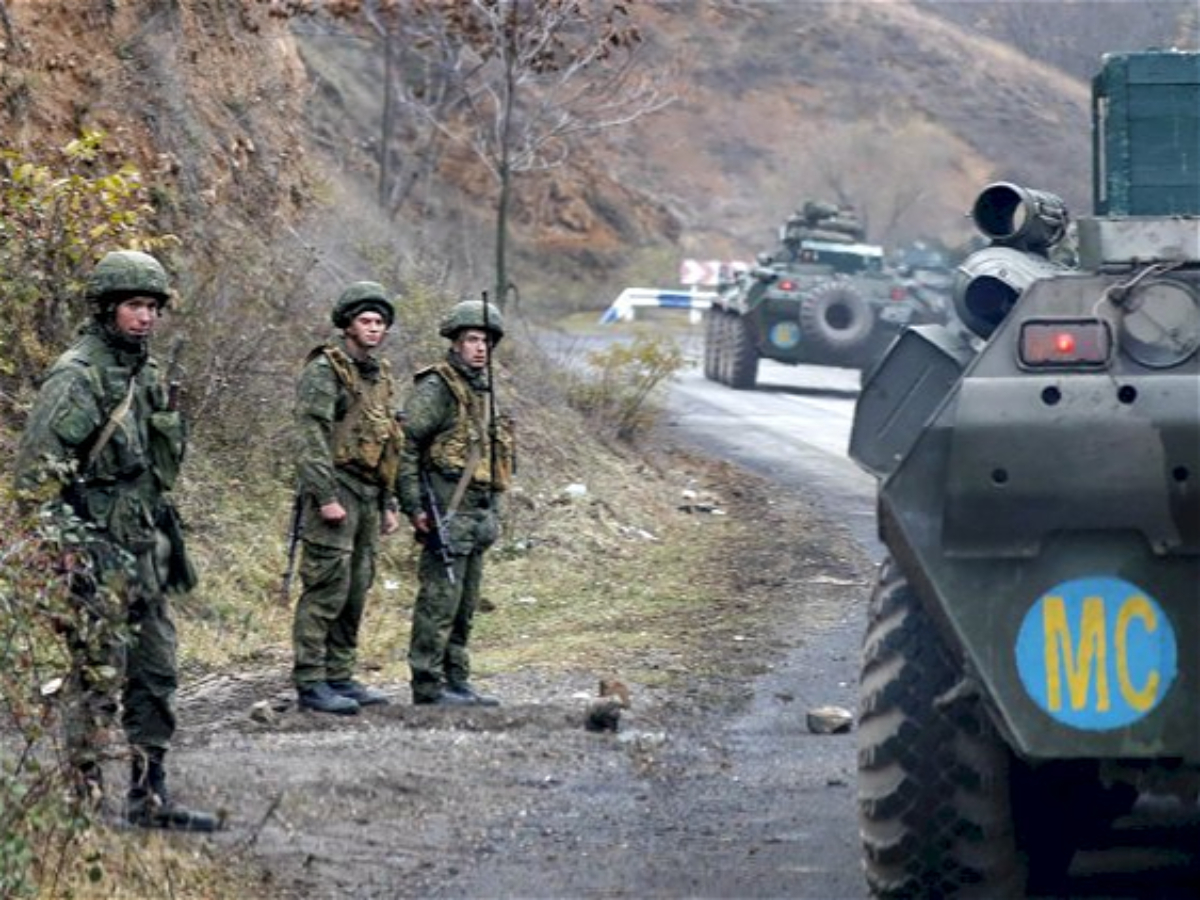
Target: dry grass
138,865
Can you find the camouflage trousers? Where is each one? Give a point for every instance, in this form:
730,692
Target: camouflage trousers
444,612
337,570
139,666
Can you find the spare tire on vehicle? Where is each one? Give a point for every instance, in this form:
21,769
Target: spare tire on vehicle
835,317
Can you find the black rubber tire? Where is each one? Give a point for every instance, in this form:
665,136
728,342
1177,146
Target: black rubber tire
935,809
835,318
743,355
724,339
712,320
718,344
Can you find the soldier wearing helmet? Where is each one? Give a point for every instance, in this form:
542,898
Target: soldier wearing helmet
346,404
104,445
456,461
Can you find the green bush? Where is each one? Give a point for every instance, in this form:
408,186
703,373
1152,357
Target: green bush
42,815
618,392
56,219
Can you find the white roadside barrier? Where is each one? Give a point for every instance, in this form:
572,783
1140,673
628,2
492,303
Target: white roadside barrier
624,307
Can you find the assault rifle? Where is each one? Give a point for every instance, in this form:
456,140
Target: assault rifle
295,533
437,540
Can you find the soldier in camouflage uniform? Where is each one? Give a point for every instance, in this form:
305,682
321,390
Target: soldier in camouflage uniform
350,443
453,466
104,439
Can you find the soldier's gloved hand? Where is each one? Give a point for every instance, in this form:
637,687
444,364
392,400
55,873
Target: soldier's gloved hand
420,521
391,521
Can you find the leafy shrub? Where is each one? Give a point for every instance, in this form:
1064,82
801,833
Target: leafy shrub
619,390
56,219
42,814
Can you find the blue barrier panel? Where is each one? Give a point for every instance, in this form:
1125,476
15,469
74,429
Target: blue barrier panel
623,306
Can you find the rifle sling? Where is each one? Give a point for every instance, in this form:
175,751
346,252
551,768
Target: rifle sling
110,426
473,457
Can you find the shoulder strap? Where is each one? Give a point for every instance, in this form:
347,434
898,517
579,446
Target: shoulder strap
473,457
111,425
341,364
454,382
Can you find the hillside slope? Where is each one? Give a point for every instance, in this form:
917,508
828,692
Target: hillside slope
898,111
885,104
204,96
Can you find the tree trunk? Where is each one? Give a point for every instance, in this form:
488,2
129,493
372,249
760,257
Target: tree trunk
387,125
508,99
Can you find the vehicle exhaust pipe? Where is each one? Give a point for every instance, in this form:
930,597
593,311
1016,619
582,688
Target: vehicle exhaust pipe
989,282
1021,218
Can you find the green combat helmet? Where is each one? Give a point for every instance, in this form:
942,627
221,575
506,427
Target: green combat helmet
127,273
470,314
359,297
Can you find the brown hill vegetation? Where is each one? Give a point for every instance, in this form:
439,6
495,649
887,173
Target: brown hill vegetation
904,109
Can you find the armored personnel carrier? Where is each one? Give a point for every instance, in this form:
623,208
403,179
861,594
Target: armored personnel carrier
1031,664
823,296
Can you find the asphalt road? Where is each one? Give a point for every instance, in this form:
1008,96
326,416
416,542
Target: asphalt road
794,429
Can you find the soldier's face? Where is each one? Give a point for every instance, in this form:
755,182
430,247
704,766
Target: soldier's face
472,346
367,330
135,317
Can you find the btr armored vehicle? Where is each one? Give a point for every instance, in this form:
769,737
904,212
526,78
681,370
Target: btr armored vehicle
822,297
1031,666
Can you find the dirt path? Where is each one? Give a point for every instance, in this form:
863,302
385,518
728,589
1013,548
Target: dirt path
712,788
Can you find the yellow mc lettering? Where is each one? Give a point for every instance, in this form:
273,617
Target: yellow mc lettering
1135,607
1077,661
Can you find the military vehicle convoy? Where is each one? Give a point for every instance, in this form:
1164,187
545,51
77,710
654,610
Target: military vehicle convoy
1031,665
822,297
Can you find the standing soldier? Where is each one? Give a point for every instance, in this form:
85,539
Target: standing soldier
457,458
104,434
350,445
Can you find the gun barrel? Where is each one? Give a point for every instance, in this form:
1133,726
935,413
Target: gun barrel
295,532
441,533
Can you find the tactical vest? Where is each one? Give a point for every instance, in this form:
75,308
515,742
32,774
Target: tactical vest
366,435
130,449
123,470
452,449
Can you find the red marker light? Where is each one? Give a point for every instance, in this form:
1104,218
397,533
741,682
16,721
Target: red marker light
899,293
1064,343
786,285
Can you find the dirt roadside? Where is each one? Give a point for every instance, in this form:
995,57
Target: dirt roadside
523,801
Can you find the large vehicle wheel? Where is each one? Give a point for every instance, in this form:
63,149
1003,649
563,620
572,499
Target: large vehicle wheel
836,318
743,354
712,324
719,340
725,339
935,810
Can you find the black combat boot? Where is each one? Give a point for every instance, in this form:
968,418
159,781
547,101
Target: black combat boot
358,692
440,697
320,697
149,804
466,690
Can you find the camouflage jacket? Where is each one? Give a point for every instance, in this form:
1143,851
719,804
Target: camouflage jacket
345,416
122,486
445,418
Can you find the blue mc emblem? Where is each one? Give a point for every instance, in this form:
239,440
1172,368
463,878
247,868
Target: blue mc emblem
1096,653
784,335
